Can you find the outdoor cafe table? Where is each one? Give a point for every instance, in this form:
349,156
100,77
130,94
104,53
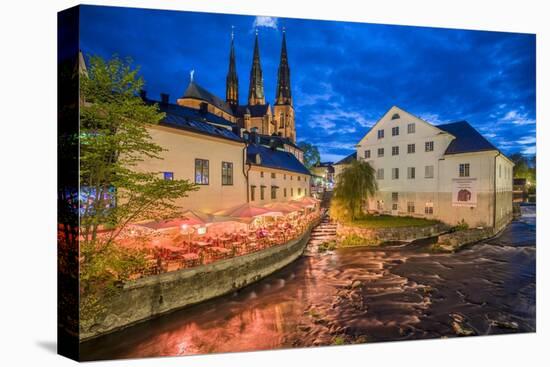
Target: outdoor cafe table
201,243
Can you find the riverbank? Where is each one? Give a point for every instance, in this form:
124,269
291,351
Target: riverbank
351,235
149,297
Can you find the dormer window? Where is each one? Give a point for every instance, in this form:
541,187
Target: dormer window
395,116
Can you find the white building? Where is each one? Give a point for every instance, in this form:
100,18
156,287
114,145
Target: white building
448,172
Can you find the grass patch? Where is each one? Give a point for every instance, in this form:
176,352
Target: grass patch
386,221
326,246
354,240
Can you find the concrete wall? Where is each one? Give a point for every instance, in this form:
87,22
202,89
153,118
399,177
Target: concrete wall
296,185
155,295
380,235
182,148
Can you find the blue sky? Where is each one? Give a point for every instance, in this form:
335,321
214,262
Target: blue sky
344,75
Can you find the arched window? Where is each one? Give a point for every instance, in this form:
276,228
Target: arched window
282,121
395,116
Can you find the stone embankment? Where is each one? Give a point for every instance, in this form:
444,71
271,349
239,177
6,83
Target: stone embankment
376,236
451,242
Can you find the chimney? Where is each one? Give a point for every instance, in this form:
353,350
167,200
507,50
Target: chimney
164,98
204,108
143,94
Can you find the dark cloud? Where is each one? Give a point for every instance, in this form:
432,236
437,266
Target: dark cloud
344,75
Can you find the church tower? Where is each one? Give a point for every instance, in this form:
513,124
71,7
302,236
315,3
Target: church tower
232,80
283,112
256,92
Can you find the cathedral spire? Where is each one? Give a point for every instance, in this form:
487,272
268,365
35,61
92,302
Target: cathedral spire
283,94
256,91
232,80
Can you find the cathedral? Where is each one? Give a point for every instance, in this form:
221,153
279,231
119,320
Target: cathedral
256,115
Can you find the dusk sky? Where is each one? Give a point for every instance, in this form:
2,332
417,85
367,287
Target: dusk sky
344,76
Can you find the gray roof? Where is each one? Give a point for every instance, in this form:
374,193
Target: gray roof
196,91
274,158
467,140
348,159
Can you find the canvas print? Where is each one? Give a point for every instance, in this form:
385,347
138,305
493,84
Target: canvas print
233,183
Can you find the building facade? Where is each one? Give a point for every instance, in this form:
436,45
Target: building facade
257,114
447,172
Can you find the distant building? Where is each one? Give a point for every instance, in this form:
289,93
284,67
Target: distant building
448,172
325,171
343,163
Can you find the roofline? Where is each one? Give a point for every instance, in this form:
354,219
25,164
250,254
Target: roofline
191,130
280,169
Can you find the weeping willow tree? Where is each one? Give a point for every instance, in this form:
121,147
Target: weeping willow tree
354,185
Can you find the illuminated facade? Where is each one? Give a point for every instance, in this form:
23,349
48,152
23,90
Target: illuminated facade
448,172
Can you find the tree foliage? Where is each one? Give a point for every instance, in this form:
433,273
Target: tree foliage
353,185
524,167
114,139
113,192
311,154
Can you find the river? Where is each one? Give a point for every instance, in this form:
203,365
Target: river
353,296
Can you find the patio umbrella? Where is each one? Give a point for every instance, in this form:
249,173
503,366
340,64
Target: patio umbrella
247,211
284,208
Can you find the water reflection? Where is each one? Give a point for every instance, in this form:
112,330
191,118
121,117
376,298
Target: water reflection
354,295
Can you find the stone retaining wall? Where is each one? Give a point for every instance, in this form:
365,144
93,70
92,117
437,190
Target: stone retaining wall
380,235
453,241
152,296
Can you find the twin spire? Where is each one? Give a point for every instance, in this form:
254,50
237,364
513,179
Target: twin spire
256,95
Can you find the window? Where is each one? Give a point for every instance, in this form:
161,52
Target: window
380,152
380,174
394,196
299,191
429,146
429,172
299,178
168,176
367,154
273,192
262,192
227,173
411,148
429,208
395,150
395,173
284,176
499,170
284,192
395,116
394,206
291,192
291,178
252,193
380,134
201,172
395,131
262,174
273,175
411,172
410,206
380,205
464,170
411,128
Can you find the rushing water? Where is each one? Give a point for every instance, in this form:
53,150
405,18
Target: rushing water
355,295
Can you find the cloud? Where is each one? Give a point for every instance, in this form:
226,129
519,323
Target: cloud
266,22
527,140
518,118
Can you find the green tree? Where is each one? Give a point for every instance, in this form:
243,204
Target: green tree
353,185
113,192
114,139
311,154
521,165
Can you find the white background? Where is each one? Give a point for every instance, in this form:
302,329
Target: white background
28,186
